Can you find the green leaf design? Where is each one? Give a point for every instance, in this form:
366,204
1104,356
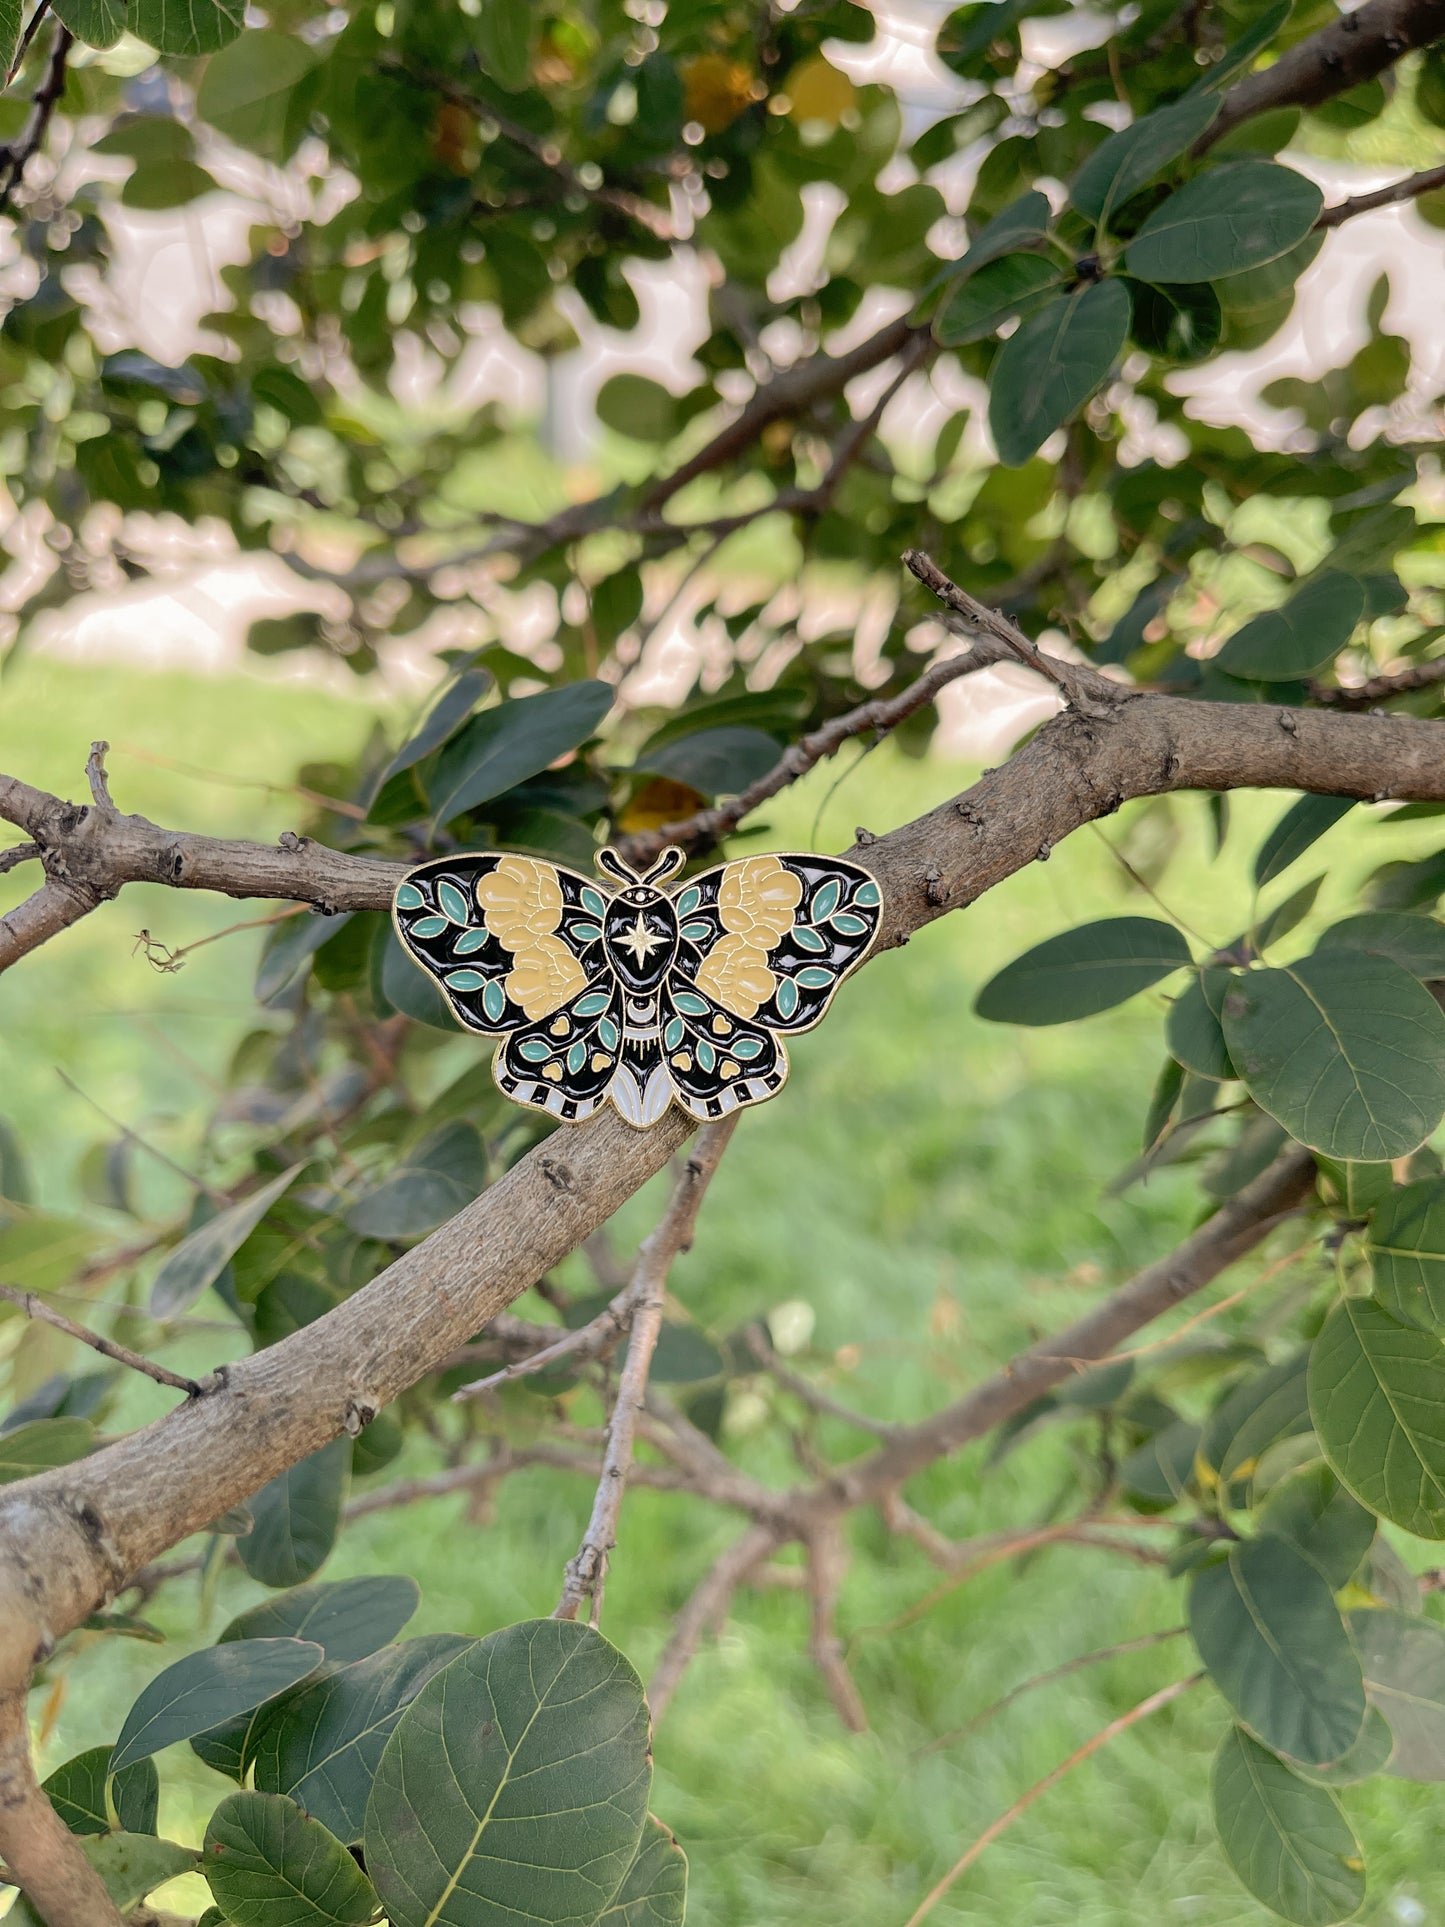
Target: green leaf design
1416,943
1014,284
1375,1395
1051,364
1082,971
504,746
1267,1627
207,1687
1302,824
198,1260
297,1516
654,1892
129,1865
1287,1840
1297,641
99,23
1131,158
1225,220
42,1445
186,26
1315,1514
321,1745
1404,1665
269,1863
1406,1243
77,1792
1194,1032
1345,1049
515,1782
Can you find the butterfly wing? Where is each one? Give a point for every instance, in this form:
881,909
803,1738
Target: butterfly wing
716,1062
510,939
770,938
565,1064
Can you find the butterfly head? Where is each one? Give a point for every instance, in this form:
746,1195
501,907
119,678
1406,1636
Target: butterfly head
640,928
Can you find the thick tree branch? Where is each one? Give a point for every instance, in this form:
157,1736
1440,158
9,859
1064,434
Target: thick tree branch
40,1852
1353,48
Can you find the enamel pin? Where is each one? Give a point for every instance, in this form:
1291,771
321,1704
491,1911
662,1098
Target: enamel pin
629,994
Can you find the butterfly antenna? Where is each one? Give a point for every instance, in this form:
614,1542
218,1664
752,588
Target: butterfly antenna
668,864
609,861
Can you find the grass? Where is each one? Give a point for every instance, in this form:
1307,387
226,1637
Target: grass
930,1193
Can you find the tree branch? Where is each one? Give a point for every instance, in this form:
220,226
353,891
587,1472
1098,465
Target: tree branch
1353,48
706,1607
1409,189
41,1854
35,1307
1379,689
16,154
587,1569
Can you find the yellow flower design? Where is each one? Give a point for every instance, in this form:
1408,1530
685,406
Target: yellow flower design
521,904
757,900
735,975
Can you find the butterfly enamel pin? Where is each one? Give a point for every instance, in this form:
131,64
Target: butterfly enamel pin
629,994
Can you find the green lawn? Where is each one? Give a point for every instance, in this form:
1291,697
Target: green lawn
935,1190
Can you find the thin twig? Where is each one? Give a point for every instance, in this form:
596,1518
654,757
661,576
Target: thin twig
804,1390
1084,688
827,1564
598,1338
161,957
1379,689
1153,1704
587,1570
96,777
15,155
1410,189
1098,1657
35,1307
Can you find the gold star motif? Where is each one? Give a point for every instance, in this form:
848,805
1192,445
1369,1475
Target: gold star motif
640,941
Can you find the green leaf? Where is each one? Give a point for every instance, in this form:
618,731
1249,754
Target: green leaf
271,1865
198,1260
1416,943
1014,284
99,23
1083,971
504,746
77,1792
1345,1049
1051,364
42,1445
1406,1244
1176,323
1296,642
1287,1840
1270,1406
1244,50
321,1745
1267,1627
1026,219
297,1517
246,88
504,41
641,409
515,1783
129,1865
1404,1664
167,184
654,1892
1283,918
347,1619
1224,221
207,1687
1313,1511
16,1183
1302,824
1131,158
455,703
1375,1395
1193,1031
399,983
441,1176
715,762
186,26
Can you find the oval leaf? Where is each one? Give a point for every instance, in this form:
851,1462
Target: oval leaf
77,1792
186,26
199,1259
1375,1395
1194,1033
1313,1511
1051,364
1404,1663
504,746
1416,943
1406,1243
1345,1049
347,1619
42,1445
515,1783
654,1893
268,1862
296,1517
1131,158
1224,221
1014,284
207,1687
1083,971
1297,641
1287,1840
1302,824
1268,1629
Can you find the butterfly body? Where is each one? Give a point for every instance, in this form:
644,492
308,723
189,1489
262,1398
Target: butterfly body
638,996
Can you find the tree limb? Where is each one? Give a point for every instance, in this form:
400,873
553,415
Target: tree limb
41,1854
34,1306
15,155
1410,189
1379,689
1353,48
